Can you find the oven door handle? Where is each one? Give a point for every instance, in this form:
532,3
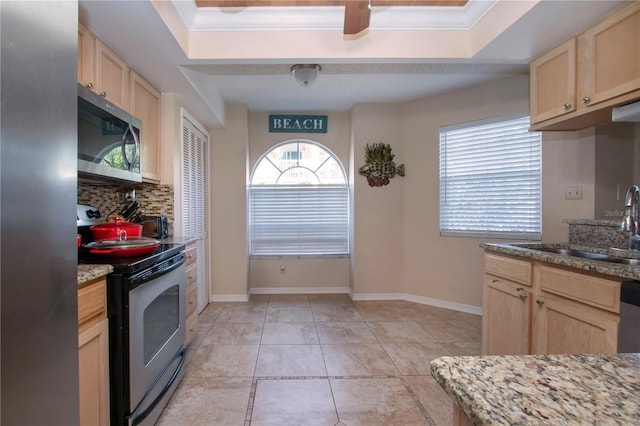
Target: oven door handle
136,419
144,277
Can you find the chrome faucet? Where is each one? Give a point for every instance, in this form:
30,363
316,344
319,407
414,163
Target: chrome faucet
631,216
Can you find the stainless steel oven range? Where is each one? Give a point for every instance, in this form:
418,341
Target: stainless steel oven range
146,305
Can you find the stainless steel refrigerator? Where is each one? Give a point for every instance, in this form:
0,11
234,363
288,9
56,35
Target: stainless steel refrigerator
38,185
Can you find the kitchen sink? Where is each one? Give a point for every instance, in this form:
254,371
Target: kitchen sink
621,260
574,253
590,255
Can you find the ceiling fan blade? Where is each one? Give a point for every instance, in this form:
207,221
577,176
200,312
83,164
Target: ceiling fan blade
356,16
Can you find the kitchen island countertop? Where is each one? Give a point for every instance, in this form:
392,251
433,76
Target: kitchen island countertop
543,389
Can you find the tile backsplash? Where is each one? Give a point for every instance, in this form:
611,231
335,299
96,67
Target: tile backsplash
156,199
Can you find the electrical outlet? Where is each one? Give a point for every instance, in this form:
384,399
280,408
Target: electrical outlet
130,196
573,193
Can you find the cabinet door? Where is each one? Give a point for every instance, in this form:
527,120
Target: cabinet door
553,83
612,57
112,75
567,327
94,375
146,105
86,57
506,323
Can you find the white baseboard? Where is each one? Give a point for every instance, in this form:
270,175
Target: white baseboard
229,298
300,290
470,309
376,296
477,310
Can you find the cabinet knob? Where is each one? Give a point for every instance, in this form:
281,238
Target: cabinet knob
495,281
586,100
567,106
103,94
540,302
523,296
89,85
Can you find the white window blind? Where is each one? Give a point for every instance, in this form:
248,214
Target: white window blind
298,202
292,220
490,179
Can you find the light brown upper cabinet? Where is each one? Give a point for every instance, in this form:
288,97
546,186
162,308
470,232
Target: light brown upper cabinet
576,84
611,65
553,81
146,105
100,69
86,58
112,75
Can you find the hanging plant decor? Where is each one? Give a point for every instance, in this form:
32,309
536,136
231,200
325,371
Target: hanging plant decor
379,167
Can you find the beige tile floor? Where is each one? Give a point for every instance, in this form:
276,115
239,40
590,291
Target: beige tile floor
319,360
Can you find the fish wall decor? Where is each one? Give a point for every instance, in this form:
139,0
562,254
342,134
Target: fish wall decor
379,167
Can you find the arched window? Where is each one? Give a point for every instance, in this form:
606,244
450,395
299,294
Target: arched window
298,202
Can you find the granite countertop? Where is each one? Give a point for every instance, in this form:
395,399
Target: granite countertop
87,273
530,251
543,389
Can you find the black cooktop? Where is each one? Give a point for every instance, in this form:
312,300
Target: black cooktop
131,264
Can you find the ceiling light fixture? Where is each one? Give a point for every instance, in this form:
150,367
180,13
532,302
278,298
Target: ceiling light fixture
305,74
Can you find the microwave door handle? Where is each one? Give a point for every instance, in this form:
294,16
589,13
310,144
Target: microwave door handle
136,147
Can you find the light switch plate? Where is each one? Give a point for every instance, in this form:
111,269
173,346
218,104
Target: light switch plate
573,193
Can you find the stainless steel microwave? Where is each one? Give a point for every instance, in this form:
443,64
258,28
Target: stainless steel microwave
108,141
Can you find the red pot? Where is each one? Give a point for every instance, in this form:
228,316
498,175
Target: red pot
117,230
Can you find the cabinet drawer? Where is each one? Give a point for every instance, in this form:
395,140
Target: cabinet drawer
506,267
192,325
92,301
192,274
192,299
192,254
594,291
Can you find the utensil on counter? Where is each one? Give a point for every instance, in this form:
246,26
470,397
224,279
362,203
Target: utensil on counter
137,216
130,210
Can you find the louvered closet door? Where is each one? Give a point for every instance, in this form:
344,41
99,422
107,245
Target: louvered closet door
195,166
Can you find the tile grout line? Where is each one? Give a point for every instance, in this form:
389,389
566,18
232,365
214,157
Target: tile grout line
416,400
251,402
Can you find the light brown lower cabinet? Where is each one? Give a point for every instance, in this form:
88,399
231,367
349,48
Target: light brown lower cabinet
93,354
192,292
564,326
507,319
562,311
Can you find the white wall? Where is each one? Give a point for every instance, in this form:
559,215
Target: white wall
446,268
229,262
378,249
568,159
